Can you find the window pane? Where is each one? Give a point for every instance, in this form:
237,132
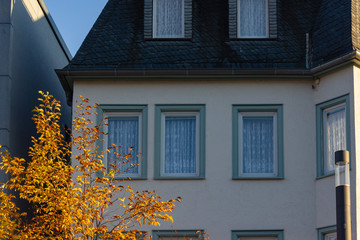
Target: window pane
124,132
168,19
335,133
252,18
330,236
258,238
173,238
180,144
258,144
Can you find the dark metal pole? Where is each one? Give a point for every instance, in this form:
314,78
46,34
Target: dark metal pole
342,182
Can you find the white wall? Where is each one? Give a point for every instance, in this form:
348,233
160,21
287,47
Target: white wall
299,203
356,151
332,86
219,204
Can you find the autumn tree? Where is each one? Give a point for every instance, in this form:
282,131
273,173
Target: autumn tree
72,201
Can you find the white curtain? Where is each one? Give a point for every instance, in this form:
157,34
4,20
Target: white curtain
330,236
258,144
173,238
258,238
252,18
335,136
180,144
168,20
124,132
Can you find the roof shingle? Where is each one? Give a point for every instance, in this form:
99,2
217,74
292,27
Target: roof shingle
117,41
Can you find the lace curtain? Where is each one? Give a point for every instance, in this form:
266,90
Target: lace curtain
168,18
330,236
258,144
124,132
335,136
180,144
252,18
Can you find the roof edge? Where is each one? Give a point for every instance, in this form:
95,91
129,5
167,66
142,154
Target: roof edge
55,30
67,76
351,58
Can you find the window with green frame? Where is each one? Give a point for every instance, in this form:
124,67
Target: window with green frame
126,127
177,234
327,233
332,132
257,141
257,235
179,141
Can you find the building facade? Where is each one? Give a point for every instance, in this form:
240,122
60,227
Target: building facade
30,49
237,106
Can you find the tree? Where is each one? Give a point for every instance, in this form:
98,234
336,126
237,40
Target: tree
71,201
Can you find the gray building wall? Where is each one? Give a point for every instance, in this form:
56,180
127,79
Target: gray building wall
30,49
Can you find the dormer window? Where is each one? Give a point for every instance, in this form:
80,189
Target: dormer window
252,19
167,19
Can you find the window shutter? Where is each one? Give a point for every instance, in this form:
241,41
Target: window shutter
232,18
187,18
148,18
272,19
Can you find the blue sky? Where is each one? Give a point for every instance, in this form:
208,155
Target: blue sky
74,19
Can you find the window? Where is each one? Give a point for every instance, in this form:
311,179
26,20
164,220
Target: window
327,233
330,236
177,234
252,19
258,235
179,141
257,141
126,127
168,18
164,19
332,133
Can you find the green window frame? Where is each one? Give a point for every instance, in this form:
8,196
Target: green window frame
321,108
257,234
324,231
275,110
161,234
197,111
139,111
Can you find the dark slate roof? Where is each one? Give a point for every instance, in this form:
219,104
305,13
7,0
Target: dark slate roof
117,41
331,35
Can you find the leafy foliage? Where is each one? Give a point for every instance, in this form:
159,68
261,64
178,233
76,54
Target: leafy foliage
73,201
